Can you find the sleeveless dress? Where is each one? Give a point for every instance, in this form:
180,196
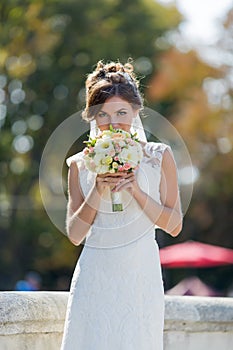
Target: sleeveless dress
116,299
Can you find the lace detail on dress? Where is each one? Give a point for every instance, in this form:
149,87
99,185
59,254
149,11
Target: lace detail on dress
154,153
116,229
116,300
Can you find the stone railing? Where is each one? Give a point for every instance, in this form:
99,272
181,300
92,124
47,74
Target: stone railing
35,320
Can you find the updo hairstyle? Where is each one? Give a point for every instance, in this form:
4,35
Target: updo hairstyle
108,80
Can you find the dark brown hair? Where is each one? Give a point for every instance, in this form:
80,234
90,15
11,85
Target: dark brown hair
108,80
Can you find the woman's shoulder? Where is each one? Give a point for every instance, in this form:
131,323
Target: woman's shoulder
77,158
155,149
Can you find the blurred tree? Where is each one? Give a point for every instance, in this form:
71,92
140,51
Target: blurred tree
197,98
47,48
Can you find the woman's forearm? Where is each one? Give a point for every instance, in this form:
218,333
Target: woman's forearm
79,222
167,218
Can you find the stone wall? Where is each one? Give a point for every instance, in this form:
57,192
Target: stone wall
198,323
31,320
34,320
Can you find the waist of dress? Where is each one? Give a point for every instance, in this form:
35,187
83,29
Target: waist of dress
112,239
132,256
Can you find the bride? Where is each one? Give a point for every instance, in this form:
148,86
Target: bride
116,299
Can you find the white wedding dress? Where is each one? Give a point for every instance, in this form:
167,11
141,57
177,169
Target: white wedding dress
116,298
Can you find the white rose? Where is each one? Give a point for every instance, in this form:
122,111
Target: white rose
98,158
122,143
129,155
106,134
104,146
102,169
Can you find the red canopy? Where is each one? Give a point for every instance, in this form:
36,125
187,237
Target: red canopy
195,254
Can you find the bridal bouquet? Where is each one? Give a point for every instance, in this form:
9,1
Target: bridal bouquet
113,151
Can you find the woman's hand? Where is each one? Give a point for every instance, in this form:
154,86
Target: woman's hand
117,182
109,180
128,183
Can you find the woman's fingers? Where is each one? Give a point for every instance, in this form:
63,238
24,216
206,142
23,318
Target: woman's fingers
130,175
109,180
116,181
118,174
125,183
112,178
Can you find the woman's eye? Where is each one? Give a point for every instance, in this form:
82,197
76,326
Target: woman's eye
122,113
102,115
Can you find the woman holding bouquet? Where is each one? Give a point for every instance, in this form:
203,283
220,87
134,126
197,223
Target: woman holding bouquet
116,299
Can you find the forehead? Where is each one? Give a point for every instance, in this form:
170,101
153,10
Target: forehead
115,103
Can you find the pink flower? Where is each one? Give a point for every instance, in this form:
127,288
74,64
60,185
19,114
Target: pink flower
121,168
118,135
91,149
130,141
126,166
118,148
116,158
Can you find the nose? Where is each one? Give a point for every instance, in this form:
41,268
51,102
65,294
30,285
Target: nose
115,125
114,120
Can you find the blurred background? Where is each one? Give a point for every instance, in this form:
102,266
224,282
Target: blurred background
183,55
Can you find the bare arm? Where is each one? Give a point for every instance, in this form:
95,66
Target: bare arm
166,215
170,196
80,212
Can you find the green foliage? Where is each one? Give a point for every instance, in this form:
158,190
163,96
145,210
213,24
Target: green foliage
47,48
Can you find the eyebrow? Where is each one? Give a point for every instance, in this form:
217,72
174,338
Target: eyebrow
121,109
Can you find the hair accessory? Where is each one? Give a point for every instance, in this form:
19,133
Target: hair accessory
127,76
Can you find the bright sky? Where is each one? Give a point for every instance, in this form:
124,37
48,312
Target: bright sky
202,17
